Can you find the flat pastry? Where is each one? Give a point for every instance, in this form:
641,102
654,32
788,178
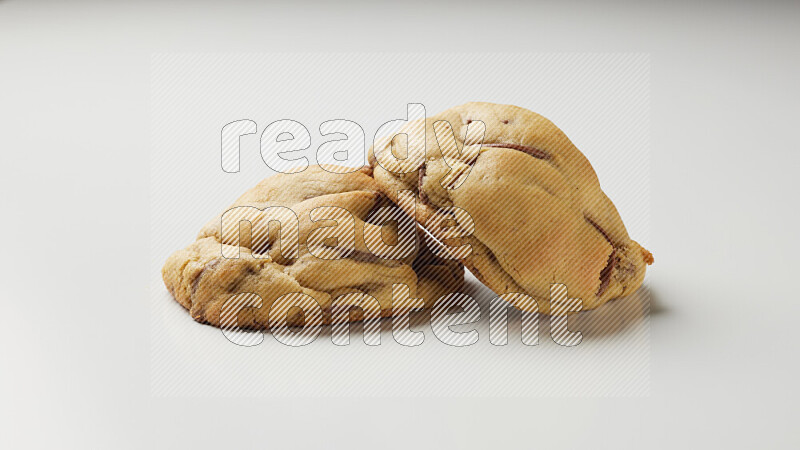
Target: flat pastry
315,261
539,215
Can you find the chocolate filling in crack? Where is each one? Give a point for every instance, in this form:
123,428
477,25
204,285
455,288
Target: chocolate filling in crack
535,152
423,197
605,274
209,266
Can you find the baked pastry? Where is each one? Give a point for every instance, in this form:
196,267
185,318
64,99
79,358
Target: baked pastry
539,215
314,260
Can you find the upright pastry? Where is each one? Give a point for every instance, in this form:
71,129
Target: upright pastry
538,212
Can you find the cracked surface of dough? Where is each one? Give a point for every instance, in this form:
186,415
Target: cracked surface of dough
539,214
201,279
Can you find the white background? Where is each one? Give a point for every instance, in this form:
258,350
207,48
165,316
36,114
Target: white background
74,100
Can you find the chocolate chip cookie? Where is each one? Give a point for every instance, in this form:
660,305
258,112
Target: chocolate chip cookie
330,253
538,214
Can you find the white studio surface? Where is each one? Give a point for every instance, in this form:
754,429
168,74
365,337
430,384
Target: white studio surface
78,107
194,95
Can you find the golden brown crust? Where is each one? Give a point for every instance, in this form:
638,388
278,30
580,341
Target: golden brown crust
539,213
202,279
